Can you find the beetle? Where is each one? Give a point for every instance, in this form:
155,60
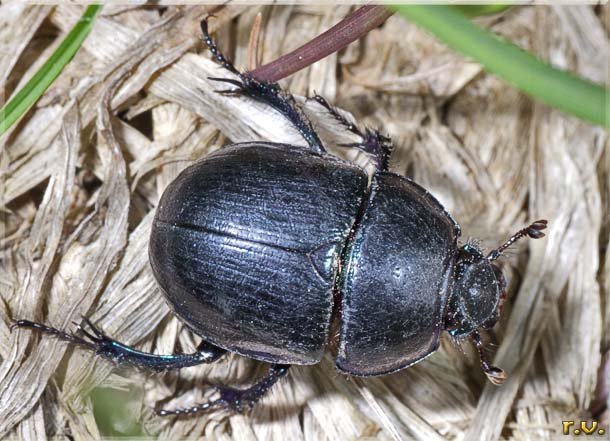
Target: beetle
277,252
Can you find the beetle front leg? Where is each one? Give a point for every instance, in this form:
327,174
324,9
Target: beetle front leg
95,340
495,374
268,93
235,400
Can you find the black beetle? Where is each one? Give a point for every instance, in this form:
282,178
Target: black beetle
267,250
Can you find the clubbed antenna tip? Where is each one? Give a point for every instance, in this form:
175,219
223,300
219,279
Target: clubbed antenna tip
533,231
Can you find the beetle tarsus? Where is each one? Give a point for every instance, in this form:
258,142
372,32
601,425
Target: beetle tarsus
267,93
335,114
373,143
377,145
494,374
120,353
69,337
235,400
211,44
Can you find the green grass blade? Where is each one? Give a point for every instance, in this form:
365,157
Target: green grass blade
42,79
471,11
555,87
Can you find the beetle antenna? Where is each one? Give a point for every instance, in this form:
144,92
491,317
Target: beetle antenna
533,231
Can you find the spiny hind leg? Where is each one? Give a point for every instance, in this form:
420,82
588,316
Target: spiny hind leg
235,400
268,93
95,340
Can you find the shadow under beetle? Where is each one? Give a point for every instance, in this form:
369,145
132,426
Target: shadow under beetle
262,248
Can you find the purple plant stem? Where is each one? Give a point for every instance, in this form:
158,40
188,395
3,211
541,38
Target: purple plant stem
352,27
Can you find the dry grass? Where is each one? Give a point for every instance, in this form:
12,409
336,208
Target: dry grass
81,174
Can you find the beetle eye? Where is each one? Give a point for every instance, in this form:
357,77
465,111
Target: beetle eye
469,254
464,254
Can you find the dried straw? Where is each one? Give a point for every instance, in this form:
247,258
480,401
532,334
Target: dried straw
82,172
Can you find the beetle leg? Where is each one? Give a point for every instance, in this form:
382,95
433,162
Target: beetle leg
377,145
335,114
495,374
121,354
373,143
267,93
236,400
237,83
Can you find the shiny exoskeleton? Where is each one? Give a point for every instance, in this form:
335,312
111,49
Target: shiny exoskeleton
262,248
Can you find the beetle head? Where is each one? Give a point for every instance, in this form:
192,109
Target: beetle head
479,289
478,294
